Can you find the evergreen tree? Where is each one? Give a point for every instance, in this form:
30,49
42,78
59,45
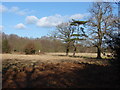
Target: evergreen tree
79,33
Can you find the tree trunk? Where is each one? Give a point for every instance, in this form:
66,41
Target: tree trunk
74,51
99,52
99,41
67,51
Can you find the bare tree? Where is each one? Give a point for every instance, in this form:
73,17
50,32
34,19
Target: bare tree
100,23
65,32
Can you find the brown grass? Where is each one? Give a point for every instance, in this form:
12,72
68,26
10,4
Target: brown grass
57,57
55,70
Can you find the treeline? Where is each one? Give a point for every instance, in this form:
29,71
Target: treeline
13,43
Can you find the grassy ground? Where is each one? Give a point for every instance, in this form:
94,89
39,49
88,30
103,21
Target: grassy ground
52,70
58,57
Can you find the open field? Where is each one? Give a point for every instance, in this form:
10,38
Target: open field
57,70
57,57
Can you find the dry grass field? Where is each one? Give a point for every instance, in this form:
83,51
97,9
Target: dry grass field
55,70
57,57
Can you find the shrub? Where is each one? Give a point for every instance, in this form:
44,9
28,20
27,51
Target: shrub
29,48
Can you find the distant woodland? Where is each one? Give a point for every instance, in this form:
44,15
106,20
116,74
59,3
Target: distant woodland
44,44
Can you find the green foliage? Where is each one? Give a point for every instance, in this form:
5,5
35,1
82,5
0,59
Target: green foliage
67,40
77,39
75,35
29,48
75,22
6,48
79,35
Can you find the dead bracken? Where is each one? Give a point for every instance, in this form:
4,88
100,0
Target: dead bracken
40,74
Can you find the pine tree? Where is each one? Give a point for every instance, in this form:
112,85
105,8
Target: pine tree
79,34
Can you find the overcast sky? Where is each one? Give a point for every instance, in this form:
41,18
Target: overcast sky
38,19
